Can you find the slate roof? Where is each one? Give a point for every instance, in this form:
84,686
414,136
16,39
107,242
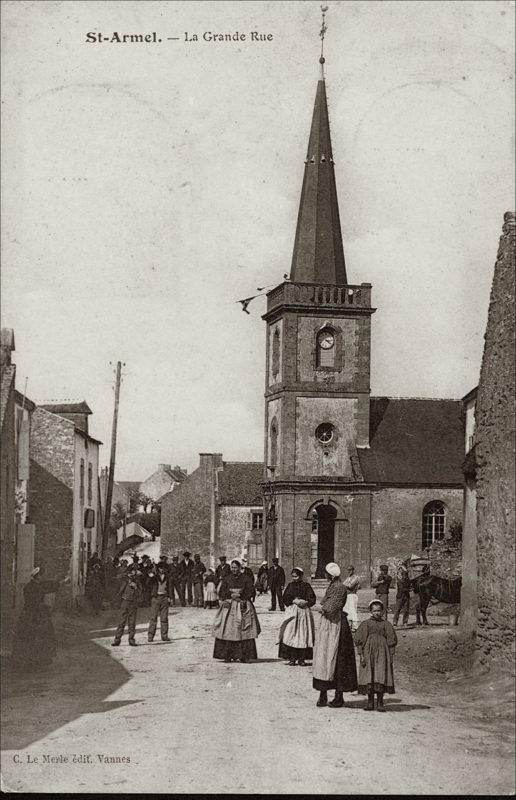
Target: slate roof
67,408
414,441
129,486
239,483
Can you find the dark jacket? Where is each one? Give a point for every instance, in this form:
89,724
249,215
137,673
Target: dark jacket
222,571
133,594
186,569
174,572
382,584
276,576
154,584
299,590
198,571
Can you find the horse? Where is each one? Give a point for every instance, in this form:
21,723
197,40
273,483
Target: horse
441,590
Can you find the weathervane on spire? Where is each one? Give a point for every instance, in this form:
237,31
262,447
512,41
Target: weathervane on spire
322,32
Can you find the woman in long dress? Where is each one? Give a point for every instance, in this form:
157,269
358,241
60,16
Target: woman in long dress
352,584
334,665
376,642
34,643
236,625
211,599
296,637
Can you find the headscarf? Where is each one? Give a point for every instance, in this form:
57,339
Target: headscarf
298,571
375,603
236,561
333,569
35,572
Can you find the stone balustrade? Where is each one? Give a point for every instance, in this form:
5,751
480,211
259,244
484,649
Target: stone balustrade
312,294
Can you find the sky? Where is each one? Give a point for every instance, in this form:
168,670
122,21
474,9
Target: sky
149,186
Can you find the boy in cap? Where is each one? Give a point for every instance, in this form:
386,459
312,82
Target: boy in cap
160,595
382,585
130,594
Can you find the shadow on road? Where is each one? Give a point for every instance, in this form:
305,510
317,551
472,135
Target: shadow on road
36,703
391,705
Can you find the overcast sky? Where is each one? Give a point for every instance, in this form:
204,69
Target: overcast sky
147,187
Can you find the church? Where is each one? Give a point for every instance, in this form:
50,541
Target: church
347,477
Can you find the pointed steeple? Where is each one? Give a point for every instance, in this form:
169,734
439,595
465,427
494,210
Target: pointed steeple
318,252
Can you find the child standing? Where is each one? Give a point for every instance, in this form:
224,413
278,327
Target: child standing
212,598
376,642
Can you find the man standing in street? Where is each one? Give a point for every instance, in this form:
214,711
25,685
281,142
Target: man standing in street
130,594
382,585
174,573
160,593
222,570
187,577
402,596
276,583
198,571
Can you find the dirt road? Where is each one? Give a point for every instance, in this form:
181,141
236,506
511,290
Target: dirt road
183,722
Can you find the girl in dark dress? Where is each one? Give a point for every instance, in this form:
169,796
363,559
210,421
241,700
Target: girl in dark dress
236,625
296,636
34,642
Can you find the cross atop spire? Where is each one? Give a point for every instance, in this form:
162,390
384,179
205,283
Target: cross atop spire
318,252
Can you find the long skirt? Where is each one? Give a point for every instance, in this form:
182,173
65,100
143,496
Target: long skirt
34,641
377,675
235,629
351,609
334,665
296,636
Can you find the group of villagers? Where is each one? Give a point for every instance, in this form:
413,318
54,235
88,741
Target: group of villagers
331,648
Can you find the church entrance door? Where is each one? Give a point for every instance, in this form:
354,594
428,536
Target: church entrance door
326,516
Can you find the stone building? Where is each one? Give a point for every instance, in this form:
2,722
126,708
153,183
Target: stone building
489,540
8,475
164,480
63,491
348,477
216,510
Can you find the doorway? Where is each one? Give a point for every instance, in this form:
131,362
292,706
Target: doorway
326,516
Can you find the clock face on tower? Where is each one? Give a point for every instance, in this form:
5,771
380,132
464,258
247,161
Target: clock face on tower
326,340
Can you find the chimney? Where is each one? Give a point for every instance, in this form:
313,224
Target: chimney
164,466
6,346
209,461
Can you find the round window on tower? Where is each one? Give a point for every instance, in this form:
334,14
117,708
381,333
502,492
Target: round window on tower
325,432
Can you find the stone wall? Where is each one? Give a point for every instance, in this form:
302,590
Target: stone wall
7,506
186,513
51,484
495,454
397,520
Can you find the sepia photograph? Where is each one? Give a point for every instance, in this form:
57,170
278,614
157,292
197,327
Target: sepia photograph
258,431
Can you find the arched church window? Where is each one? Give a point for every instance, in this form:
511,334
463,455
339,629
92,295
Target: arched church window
273,460
325,432
325,348
434,519
275,353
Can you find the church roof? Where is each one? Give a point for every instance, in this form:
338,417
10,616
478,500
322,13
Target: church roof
414,441
239,483
318,252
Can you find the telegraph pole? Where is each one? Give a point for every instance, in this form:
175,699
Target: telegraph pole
109,493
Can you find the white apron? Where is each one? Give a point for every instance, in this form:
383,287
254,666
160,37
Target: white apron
351,609
326,648
297,630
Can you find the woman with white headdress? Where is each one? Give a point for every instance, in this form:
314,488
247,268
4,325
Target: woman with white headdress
334,665
34,642
296,636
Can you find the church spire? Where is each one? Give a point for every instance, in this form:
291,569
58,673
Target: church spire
318,252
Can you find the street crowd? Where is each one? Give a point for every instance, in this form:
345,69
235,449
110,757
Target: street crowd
231,590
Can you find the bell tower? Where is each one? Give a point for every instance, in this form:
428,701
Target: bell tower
317,384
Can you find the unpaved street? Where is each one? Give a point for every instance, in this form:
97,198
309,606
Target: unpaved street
187,723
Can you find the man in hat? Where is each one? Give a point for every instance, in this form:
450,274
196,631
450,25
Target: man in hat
187,577
402,596
223,569
130,594
276,583
160,594
382,585
198,571
174,574
145,568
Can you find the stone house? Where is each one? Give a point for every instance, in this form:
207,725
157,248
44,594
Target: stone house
163,480
63,492
488,537
8,476
25,528
216,510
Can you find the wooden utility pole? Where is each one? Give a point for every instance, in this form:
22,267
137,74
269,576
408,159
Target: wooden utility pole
109,493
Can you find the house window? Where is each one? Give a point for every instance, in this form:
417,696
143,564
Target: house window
256,553
274,445
275,354
90,484
81,486
257,520
325,432
325,348
434,518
